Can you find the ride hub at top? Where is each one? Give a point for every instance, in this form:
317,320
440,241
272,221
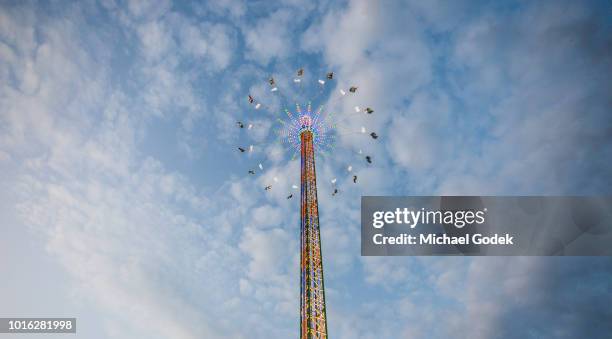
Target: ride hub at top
323,136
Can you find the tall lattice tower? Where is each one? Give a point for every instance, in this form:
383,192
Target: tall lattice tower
306,132
313,318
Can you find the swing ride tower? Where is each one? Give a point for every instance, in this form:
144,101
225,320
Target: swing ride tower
313,318
306,132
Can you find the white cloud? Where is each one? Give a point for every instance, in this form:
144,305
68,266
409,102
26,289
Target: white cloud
266,215
268,251
420,137
148,9
235,8
270,37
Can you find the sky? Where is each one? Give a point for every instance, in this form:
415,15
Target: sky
124,202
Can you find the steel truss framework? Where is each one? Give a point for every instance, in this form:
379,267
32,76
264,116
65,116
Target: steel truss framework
313,318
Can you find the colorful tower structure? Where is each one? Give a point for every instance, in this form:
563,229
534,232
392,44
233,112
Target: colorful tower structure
313,318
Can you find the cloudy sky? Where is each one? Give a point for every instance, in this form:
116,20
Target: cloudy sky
124,203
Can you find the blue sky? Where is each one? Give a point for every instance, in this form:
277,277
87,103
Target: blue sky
125,203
